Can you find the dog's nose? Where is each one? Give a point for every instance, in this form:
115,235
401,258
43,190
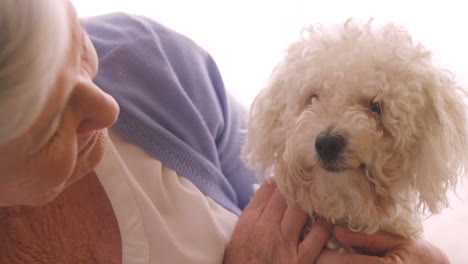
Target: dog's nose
329,146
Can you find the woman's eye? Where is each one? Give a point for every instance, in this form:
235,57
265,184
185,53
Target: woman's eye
376,107
54,137
313,97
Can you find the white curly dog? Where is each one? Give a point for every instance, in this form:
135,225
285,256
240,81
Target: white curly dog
359,126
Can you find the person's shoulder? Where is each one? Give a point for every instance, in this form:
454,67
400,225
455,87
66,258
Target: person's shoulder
131,26
117,29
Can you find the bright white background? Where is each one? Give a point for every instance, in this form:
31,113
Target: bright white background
246,38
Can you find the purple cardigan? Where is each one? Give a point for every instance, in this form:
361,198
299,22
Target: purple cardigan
173,104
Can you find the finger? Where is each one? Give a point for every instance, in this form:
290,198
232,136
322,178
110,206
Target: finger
276,207
334,256
259,201
310,247
293,222
376,244
261,198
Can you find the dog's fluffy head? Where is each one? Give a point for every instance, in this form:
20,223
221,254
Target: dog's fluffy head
358,125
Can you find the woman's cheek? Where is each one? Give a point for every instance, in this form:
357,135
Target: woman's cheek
58,164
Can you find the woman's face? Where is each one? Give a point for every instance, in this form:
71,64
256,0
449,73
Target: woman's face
68,139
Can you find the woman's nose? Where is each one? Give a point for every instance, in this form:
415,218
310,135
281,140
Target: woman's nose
95,109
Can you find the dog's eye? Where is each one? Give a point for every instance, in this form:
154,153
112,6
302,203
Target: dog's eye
376,107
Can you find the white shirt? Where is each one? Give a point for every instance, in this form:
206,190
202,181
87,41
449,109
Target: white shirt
162,217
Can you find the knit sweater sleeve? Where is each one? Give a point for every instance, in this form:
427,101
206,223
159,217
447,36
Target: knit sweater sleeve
173,104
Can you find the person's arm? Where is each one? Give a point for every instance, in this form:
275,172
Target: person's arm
384,248
268,231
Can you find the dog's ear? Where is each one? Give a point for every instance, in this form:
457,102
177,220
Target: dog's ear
266,127
444,146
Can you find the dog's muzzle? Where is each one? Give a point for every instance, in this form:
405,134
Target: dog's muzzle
330,148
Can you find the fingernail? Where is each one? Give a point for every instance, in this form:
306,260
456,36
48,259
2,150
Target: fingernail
340,229
271,181
255,187
322,221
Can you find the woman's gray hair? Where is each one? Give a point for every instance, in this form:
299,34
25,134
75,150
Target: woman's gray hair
34,40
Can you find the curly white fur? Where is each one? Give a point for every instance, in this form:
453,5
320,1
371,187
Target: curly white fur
402,120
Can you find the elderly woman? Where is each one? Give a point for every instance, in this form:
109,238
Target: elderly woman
165,184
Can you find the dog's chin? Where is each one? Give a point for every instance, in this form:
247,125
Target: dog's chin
334,169
340,168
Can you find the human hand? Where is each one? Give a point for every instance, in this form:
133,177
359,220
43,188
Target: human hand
268,231
384,248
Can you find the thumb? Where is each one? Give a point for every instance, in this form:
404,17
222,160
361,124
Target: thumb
377,244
